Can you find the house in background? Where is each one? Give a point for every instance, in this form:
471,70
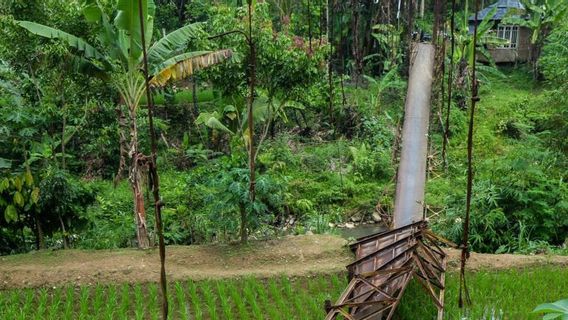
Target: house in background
517,48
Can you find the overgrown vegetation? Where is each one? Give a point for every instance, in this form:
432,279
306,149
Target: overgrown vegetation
327,143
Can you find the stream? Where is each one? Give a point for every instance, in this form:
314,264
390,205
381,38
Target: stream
362,230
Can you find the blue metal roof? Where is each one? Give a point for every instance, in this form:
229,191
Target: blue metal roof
503,7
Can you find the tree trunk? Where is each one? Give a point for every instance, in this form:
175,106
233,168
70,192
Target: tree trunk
181,11
330,20
136,184
63,121
139,210
244,231
310,27
194,96
65,235
356,48
64,126
252,152
40,241
408,42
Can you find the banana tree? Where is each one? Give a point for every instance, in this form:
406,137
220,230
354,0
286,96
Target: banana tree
117,57
466,49
543,16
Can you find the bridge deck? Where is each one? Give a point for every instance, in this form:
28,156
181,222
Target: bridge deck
385,263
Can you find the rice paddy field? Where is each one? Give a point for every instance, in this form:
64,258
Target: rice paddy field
509,294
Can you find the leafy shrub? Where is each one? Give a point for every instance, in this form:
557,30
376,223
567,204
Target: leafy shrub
555,310
109,222
231,198
554,66
521,199
368,163
62,201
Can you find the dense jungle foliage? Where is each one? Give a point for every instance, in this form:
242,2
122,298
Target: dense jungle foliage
328,105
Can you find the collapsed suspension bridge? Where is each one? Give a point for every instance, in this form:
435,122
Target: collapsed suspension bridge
386,262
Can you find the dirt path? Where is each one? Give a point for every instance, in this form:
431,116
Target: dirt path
293,256
296,256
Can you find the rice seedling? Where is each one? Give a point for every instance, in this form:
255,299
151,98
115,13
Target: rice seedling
337,283
238,300
13,303
153,301
16,314
3,307
286,286
299,304
41,306
28,302
124,301
53,312
98,299
224,299
68,309
324,291
84,302
172,301
294,298
210,299
195,301
6,312
183,303
138,302
111,303
264,299
251,297
504,294
276,295
324,285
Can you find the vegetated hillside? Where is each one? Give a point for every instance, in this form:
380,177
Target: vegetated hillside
520,201
326,122
309,183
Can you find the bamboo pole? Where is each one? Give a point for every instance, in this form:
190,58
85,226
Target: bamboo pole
154,169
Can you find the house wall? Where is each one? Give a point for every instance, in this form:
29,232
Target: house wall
524,43
519,54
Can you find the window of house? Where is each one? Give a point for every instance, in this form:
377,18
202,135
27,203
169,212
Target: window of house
509,33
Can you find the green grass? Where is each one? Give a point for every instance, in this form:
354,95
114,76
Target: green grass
183,97
510,294
514,293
